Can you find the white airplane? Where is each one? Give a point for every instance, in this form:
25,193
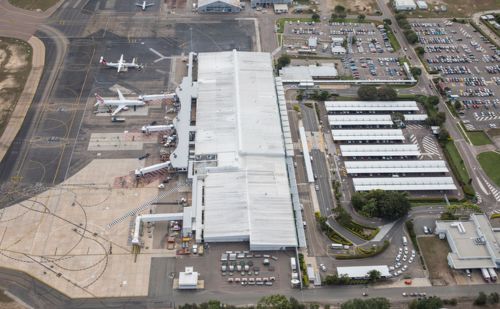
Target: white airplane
121,103
144,5
121,65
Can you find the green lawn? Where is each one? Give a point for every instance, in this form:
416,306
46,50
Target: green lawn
458,167
490,162
394,42
477,138
33,4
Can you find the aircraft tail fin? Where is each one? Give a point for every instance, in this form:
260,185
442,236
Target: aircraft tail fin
100,100
102,60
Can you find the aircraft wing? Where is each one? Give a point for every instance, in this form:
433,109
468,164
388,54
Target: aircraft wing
138,4
118,109
150,4
120,95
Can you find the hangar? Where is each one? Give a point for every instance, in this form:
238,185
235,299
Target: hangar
219,6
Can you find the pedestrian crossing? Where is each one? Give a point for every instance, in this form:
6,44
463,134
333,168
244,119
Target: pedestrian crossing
413,140
479,200
415,126
493,190
487,118
144,206
430,146
469,127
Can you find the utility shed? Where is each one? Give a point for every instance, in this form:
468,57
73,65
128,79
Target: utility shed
219,6
188,279
240,153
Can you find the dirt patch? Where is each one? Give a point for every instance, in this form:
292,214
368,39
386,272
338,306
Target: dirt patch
33,5
15,66
435,252
367,7
459,8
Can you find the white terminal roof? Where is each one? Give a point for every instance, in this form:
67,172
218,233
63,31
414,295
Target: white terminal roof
415,117
368,135
370,150
308,73
247,195
359,120
367,106
391,166
474,243
404,183
362,271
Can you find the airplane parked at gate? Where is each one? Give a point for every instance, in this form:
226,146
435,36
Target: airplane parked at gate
121,103
144,5
121,65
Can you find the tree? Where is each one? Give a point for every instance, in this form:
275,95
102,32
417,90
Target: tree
480,299
379,203
386,93
427,303
493,298
416,72
443,135
361,17
411,36
420,50
457,105
387,21
434,100
343,217
275,301
339,9
374,275
367,93
315,17
370,303
283,61
294,304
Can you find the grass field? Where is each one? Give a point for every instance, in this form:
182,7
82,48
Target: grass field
34,4
490,162
477,138
435,252
14,71
394,42
458,8
458,167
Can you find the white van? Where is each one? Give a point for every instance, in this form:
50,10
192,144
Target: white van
405,241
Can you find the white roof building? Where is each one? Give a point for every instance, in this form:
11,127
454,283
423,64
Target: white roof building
360,120
371,106
404,184
473,243
368,135
415,117
308,73
386,150
395,167
219,6
188,279
404,5
239,165
338,50
361,272
422,5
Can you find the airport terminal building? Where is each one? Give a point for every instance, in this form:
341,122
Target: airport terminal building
233,141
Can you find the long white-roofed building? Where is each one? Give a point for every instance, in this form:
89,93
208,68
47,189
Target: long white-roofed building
396,167
371,150
364,121
374,107
385,135
240,180
404,184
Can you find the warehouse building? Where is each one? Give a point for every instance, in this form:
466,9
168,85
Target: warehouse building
308,74
219,6
239,169
404,5
474,244
372,107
